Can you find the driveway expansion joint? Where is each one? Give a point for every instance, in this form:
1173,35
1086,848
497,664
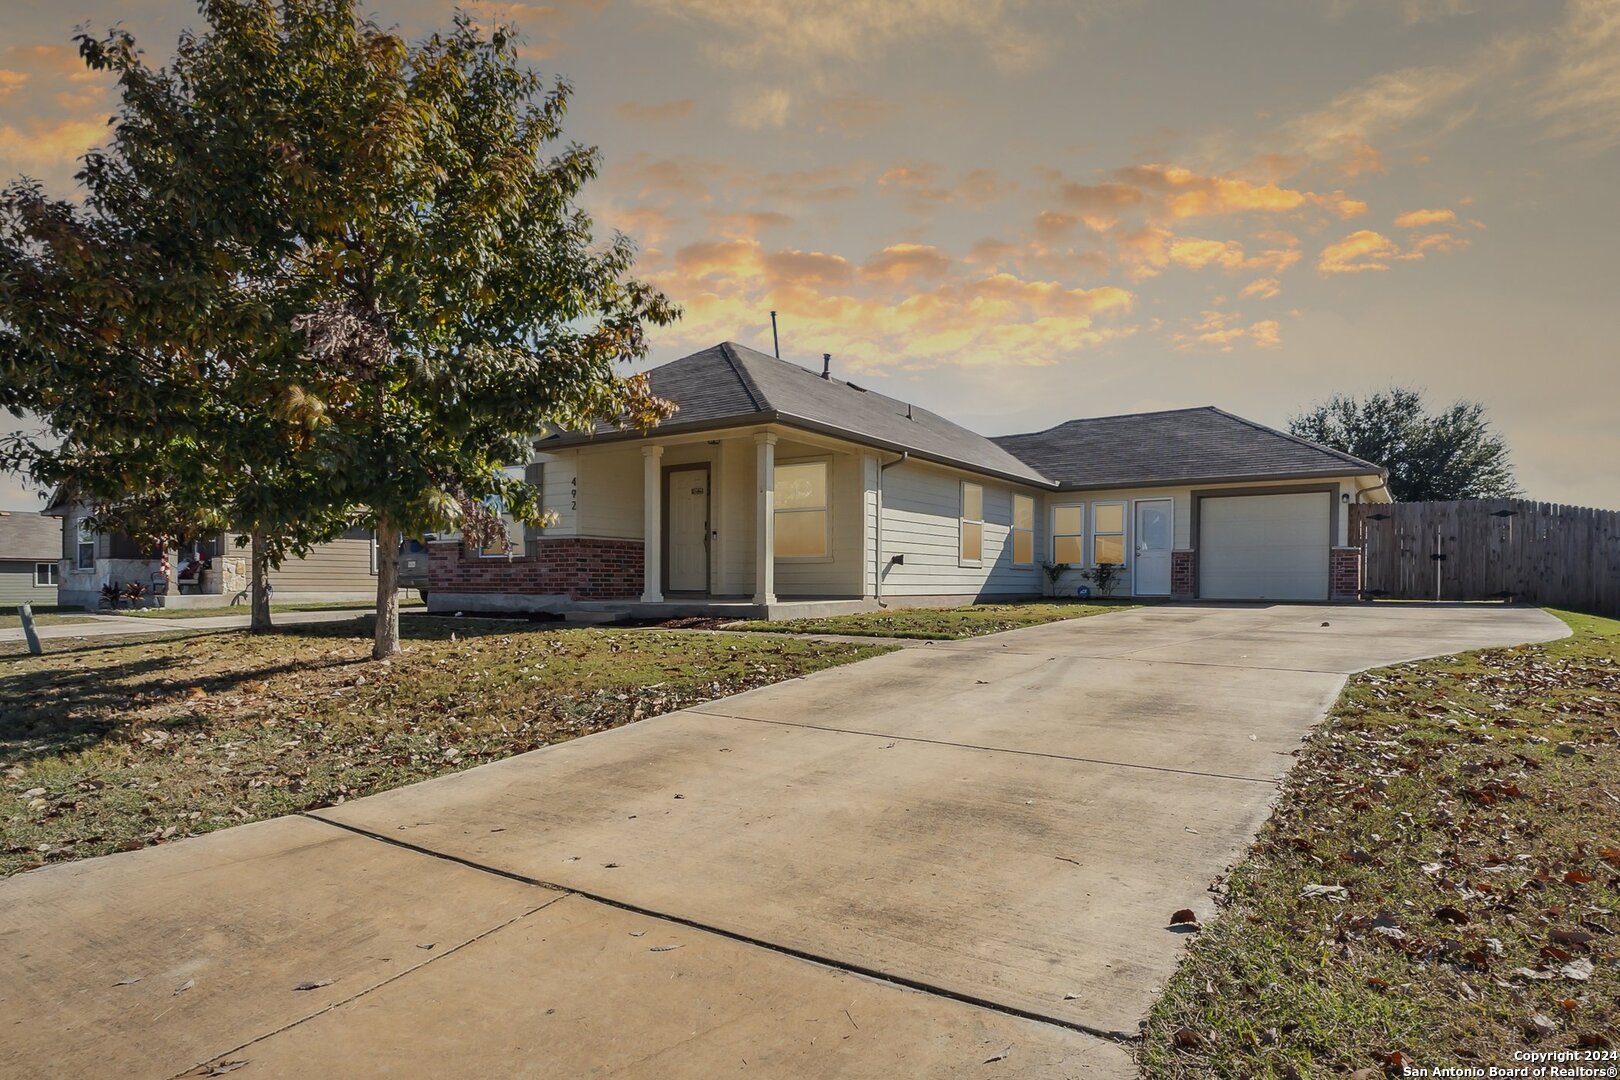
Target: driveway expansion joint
1122,1038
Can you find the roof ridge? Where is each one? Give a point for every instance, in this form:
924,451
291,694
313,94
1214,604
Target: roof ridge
751,388
1109,416
1291,437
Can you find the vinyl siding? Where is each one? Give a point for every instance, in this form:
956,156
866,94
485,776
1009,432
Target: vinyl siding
339,566
921,508
17,584
841,575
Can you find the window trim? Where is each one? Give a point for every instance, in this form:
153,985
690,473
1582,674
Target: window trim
962,521
825,461
1080,536
1013,530
55,569
1123,532
514,549
86,538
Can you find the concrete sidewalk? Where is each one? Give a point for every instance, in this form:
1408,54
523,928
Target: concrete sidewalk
951,861
127,626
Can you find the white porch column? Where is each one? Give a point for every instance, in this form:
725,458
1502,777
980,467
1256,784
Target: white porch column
652,522
765,536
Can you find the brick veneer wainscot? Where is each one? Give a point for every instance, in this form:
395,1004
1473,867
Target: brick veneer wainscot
1345,571
581,568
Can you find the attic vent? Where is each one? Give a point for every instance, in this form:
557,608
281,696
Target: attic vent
852,386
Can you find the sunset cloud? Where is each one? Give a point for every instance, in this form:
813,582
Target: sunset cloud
1223,331
1581,94
1419,219
1361,250
1265,288
903,263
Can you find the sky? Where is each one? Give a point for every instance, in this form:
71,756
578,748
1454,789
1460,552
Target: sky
1016,212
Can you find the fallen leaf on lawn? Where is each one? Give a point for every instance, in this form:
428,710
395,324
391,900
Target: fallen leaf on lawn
1376,983
1609,855
225,1067
1578,877
999,1055
1071,997
1186,1038
1531,973
1185,915
130,981
429,945
1578,970
314,984
1396,1059
1570,937
187,985
1455,916
1331,892
1593,1041
665,948
1540,1026
1569,1004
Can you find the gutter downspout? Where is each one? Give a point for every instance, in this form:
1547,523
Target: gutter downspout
877,554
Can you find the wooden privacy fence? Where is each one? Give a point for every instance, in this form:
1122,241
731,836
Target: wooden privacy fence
1541,553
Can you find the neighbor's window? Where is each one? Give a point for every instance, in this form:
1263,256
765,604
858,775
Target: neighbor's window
1023,530
1068,523
972,522
1108,533
802,521
85,558
515,529
46,574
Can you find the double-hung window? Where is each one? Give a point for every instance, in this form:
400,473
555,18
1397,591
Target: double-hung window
1108,533
972,524
1068,540
85,554
1023,530
803,524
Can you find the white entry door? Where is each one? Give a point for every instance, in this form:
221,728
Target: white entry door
686,546
1155,536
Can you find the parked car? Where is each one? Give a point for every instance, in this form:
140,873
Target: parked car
413,566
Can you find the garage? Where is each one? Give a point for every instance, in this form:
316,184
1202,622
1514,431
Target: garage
1264,547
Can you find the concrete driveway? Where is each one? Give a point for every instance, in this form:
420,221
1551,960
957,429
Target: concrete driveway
954,860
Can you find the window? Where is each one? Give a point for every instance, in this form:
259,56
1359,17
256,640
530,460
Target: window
46,574
802,522
85,556
1068,523
1023,530
1108,533
515,529
972,523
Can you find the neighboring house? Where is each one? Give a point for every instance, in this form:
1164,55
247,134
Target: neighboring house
856,499
209,571
30,558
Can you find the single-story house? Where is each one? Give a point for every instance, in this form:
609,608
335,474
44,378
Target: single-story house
28,558
779,490
206,571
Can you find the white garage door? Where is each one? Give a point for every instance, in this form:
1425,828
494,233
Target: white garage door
1264,547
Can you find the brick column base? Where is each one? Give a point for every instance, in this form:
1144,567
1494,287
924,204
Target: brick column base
1345,573
1183,575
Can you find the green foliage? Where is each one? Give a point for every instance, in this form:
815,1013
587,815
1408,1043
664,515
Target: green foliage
1105,576
1450,454
320,278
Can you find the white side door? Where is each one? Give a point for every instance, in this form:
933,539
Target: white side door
1155,537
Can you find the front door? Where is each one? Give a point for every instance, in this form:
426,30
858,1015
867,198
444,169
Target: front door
1155,536
686,542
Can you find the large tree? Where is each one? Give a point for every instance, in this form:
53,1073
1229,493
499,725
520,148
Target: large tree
1450,453
356,276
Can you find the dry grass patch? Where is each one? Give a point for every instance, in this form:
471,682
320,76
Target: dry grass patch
974,620
1438,886
109,745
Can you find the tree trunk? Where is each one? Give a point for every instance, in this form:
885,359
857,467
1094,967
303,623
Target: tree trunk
386,643
260,622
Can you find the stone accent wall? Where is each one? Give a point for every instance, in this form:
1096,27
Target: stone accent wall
1344,569
577,567
1183,575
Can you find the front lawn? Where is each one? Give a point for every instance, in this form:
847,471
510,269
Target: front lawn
1438,886
975,620
357,606
110,745
44,615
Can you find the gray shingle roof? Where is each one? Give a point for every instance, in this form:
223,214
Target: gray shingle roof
733,384
27,535
1202,445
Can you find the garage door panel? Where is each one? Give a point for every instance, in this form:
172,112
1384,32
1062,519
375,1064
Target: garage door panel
1264,547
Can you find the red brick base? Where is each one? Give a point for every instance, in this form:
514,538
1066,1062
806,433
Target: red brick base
577,567
1345,572
1183,575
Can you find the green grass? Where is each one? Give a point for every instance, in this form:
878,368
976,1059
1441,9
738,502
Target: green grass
243,609
113,744
1469,806
974,620
44,615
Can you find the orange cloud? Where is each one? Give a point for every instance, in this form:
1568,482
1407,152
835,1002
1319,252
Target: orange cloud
1361,250
48,144
1265,288
11,81
901,263
855,114
1418,219
1224,331
1188,194
806,268
661,112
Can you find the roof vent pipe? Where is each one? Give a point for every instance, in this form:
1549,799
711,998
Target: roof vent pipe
908,411
826,365
776,344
